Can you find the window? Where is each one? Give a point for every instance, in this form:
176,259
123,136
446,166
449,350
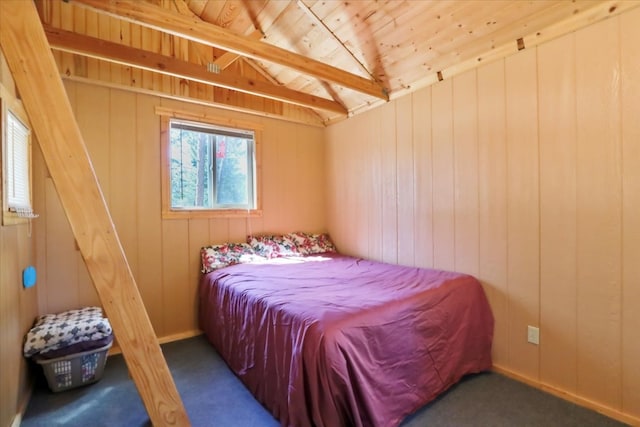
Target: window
210,168
16,167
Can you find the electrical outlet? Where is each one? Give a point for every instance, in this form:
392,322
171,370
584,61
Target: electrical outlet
533,335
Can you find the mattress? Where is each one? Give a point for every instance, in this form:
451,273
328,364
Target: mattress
333,340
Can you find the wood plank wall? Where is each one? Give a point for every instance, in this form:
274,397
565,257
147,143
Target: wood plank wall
18,306
122,133
523,172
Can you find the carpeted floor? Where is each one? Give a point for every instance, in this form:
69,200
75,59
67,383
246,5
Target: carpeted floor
213,396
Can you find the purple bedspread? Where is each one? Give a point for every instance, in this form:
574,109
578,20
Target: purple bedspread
341,341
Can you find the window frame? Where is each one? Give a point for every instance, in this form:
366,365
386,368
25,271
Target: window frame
168,212
10,105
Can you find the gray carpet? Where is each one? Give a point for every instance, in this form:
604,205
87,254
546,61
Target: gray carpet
213,396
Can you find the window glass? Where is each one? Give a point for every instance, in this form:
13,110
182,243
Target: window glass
210,167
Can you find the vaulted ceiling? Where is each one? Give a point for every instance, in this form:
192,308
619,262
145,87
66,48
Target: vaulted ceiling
311,61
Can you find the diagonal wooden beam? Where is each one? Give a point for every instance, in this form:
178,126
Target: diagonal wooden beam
158,18
36,76
113,52
229,58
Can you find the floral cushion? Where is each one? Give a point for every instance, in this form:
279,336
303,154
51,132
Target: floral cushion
273,246
57,331
308,244
218,256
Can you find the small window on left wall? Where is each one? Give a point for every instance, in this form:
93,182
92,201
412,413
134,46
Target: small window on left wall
16,167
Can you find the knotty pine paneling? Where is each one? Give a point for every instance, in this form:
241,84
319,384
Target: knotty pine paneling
538,155
122,134
135,74
104,31
630,89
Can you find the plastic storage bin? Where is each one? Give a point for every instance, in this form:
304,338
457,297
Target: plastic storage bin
74,370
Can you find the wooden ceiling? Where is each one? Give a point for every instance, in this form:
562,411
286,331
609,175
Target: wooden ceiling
311,61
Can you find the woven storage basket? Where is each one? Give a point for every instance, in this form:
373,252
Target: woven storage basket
76,369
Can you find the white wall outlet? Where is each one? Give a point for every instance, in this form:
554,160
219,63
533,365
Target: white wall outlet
533,335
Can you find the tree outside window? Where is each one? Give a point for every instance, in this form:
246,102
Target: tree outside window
212,169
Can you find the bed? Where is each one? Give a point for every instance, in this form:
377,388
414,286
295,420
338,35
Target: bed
333,340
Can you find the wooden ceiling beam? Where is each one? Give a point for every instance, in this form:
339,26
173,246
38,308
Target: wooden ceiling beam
158,18
113,52
228,58
36,76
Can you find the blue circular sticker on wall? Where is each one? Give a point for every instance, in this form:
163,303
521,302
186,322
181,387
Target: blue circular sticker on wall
29,276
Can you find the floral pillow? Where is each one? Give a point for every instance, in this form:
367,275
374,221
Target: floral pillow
308,244
218,256
273,246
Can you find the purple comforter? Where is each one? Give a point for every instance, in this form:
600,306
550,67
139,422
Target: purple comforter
340,341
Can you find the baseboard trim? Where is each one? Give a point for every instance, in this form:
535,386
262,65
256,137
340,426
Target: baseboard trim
578,400
180,336
115,349
17,420
22,408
